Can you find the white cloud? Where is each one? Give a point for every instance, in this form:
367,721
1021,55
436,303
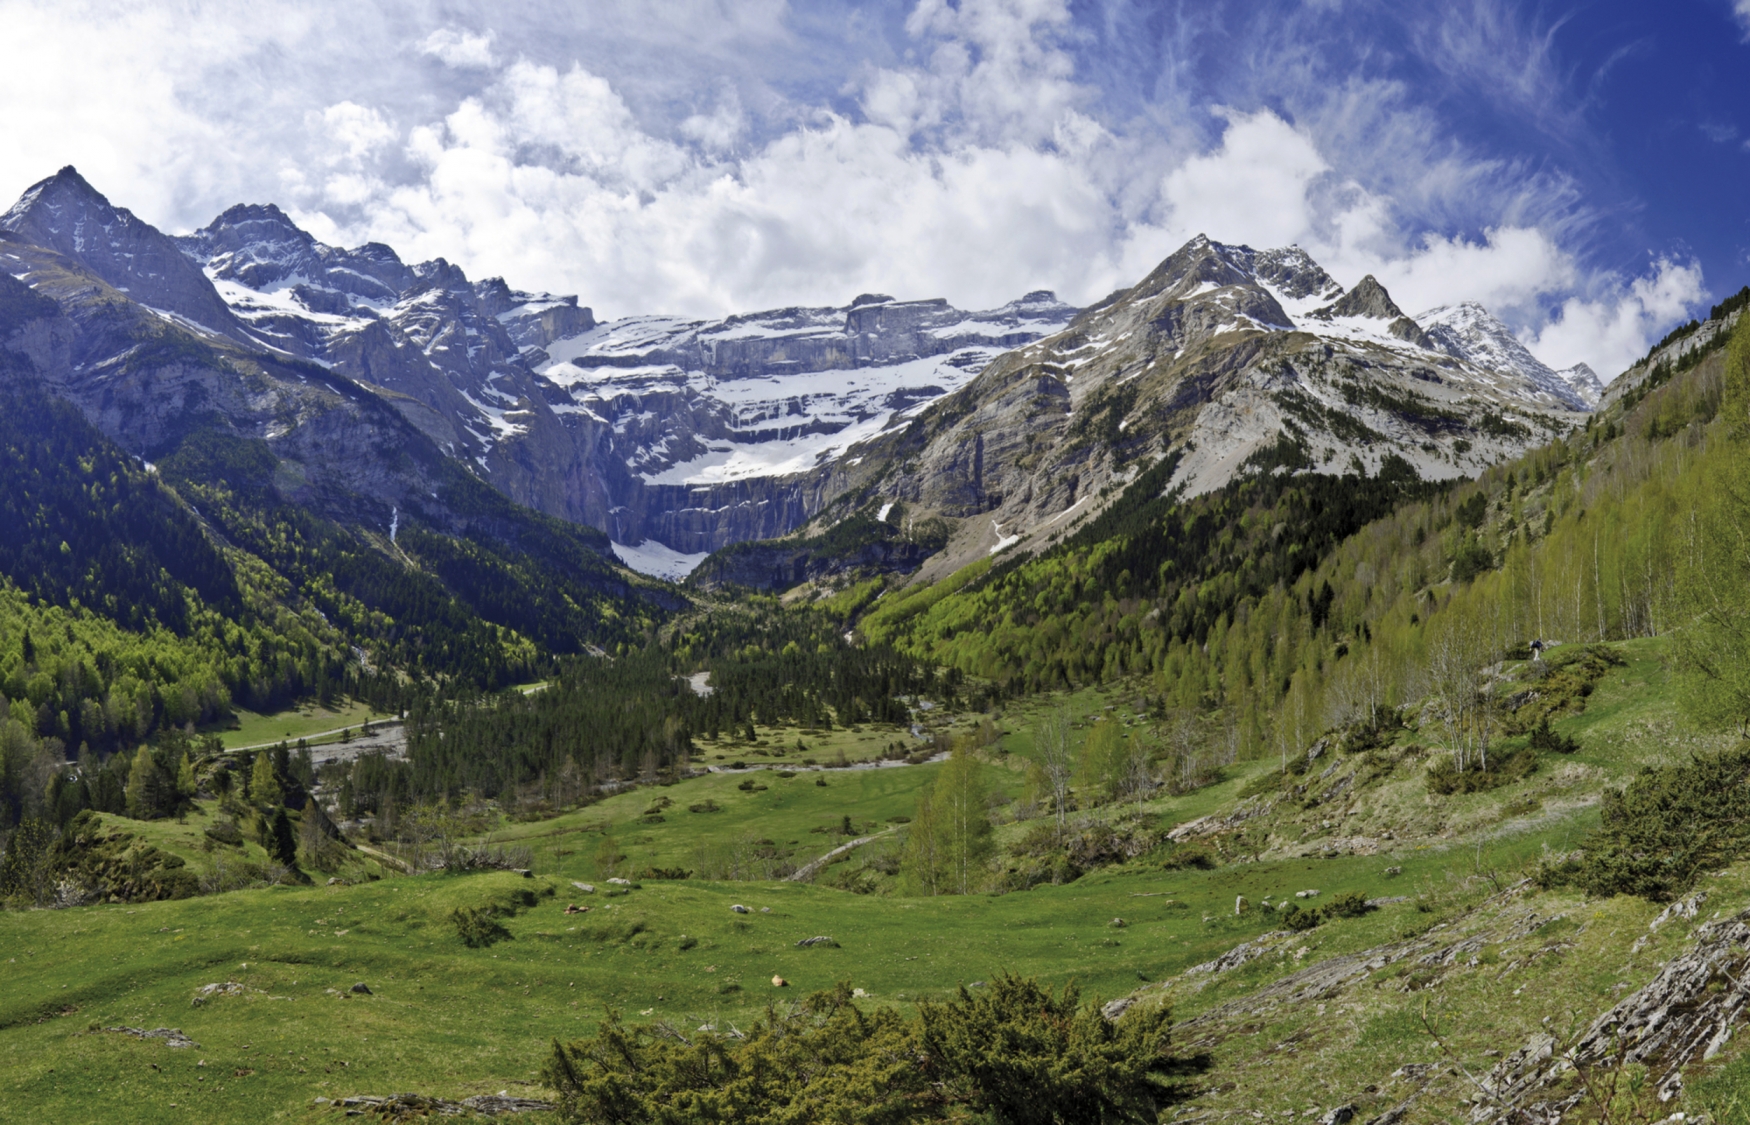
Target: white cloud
461,49
356,130
1254,188
1508,270
682,156
1741,8
720,129
1612,330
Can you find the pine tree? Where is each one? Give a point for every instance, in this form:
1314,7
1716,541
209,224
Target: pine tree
151,789
281,844
186,786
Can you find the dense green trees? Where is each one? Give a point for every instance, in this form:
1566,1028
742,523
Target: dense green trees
634,714
1288,603
1714,576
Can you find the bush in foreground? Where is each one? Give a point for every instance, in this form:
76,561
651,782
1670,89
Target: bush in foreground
1669,825
1012,1053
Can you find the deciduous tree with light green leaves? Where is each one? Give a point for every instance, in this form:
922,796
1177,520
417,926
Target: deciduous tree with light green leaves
1714,581
948,845
265,787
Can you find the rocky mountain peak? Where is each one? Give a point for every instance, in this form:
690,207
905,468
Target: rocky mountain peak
1200,264
1584,381
65,214
1292,272
1470,332
1368,299
259,246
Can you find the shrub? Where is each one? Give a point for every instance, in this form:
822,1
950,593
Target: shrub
1349,904
478,926
705,806
1445,778
1014,1052
1669,825
1300,920
225,831
1186,857
1543,738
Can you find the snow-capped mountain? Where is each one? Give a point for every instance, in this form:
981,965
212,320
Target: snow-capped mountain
776,393
1472,333
680,436
660,430
1223,354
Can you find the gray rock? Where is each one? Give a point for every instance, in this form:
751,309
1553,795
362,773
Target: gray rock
1368,299
1115,1008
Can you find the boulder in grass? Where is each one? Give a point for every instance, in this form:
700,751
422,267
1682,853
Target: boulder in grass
740,909
780,982
822,939
586,888
361,989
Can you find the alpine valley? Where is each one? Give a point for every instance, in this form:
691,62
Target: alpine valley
1238,699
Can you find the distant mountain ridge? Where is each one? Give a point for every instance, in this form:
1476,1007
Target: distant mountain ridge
1229,357
1471,333
679,436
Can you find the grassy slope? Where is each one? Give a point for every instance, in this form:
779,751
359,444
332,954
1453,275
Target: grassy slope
253,729
454,1021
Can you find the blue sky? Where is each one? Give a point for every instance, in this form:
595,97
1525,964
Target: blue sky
1577,168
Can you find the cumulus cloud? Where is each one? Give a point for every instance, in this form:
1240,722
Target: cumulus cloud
1741,9
1612,330
355,130
1254,188
461,49
699,158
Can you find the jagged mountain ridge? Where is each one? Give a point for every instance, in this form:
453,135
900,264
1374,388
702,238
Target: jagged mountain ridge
1471,333
1221,354
650,428
680,436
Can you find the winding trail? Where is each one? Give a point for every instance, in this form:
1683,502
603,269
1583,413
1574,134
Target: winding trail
813,867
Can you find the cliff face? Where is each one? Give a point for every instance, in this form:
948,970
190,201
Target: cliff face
695,435
1223,353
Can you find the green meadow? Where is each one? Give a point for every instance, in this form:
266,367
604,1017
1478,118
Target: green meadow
446,1019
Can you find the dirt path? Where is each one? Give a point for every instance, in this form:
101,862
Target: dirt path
813,867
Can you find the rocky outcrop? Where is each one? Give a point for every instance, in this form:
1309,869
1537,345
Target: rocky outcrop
1683,1016
66,215
1368,299
1221,354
